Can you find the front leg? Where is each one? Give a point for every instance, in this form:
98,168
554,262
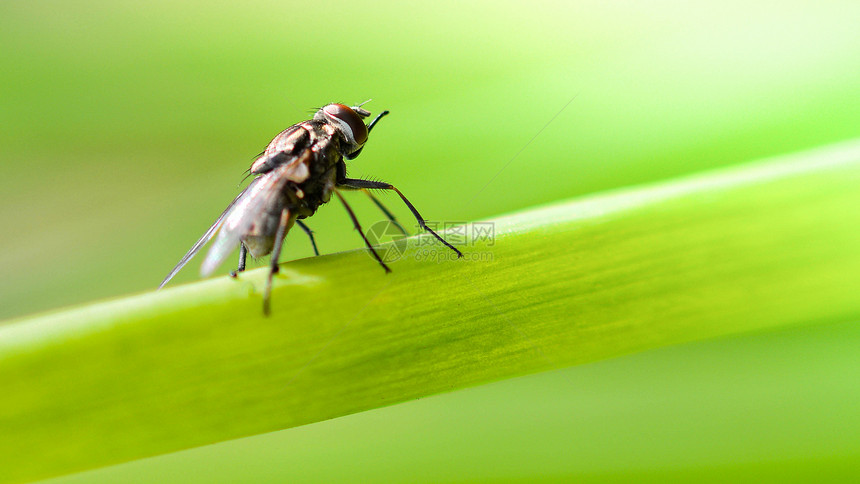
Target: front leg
361,232
358,184
390,216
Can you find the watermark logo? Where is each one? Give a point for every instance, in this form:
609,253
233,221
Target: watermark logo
390,242
388,239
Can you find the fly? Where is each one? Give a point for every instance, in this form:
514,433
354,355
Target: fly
299,170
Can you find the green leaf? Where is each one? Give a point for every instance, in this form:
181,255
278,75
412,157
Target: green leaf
762,246
775,406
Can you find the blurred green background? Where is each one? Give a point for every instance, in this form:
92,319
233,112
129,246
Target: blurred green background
126,127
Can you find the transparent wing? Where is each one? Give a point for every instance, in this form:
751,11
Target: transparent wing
262,197
206,237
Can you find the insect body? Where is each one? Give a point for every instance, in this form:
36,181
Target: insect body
299,170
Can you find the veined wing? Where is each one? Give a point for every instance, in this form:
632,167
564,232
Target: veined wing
206,237
260,197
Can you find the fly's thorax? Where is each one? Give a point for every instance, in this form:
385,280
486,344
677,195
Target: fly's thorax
316,190
286,145
334,146
295,138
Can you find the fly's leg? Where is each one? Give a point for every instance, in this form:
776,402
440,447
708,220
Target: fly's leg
243,255
310,235
358,184
388,214
283,226
360,231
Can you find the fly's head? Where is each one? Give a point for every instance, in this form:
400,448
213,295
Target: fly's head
349,122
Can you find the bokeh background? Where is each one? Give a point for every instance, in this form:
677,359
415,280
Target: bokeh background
126,127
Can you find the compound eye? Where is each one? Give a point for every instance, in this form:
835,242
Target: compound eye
349,119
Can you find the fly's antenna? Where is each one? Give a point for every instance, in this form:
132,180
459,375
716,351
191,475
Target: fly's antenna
360,111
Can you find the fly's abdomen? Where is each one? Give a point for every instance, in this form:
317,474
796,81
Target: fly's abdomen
260,237
259,245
